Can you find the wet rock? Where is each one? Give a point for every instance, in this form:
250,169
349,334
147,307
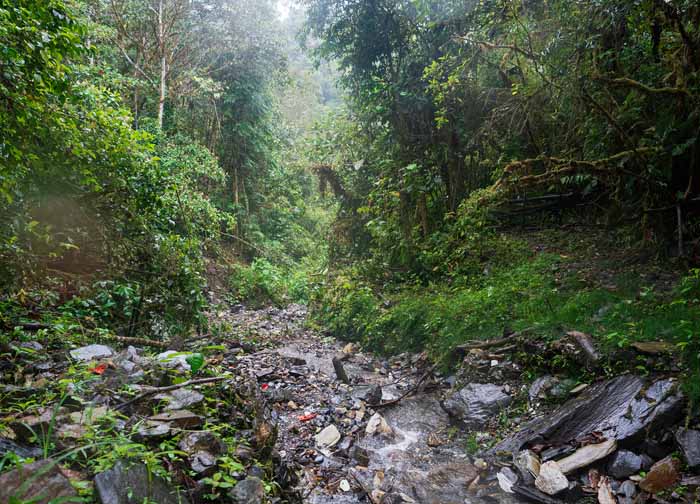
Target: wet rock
181,419
557,452
91,352
628,489
533,495
9,446
360,456
328,437
125,484
662,475
378,425
551,479
476,403
180,399
340,370
689,443
203,463
39,482
605,493
444,483
528,464
621,408
506,479
624,463
585,456
248,491
371,394
202,441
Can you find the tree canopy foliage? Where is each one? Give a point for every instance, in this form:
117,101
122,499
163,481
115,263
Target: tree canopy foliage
524,98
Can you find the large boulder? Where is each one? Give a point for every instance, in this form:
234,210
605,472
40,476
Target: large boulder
124,484
623,409
476,403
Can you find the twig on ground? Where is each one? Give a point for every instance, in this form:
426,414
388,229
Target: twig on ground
410,391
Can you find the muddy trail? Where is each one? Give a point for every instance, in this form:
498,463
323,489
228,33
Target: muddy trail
265,410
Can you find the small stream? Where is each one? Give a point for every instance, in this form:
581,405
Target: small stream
422,459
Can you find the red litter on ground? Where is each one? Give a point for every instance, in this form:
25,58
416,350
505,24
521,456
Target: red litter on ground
99,369
264,386
306,418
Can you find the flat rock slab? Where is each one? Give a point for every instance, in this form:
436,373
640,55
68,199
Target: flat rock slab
621,409
476,403
39,483
91,352
662,475
180,399
551,479
125,484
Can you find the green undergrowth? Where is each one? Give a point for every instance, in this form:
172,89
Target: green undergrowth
264,282
544,295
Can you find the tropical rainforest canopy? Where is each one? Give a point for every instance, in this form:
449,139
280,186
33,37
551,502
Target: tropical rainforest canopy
419,173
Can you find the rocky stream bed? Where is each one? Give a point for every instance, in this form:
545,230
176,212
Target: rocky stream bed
328,423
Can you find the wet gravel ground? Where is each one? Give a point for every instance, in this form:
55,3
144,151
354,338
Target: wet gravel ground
416,454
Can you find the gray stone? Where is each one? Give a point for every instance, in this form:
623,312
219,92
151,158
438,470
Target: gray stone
624,463
202,441
153,430
622,408
128,485
371,394
180,399
182,419
628,489
328,437
203,463
476,403
551,480
9,446
689,443
91,352
249,491
586,455
39,482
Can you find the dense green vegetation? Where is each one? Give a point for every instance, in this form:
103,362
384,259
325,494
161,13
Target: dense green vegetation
133,157
457,114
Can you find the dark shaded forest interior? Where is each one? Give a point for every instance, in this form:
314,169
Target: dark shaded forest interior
349,251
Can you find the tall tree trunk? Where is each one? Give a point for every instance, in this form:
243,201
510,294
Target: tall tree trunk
163,64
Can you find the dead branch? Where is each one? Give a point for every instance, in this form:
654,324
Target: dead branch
626,82
410,391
